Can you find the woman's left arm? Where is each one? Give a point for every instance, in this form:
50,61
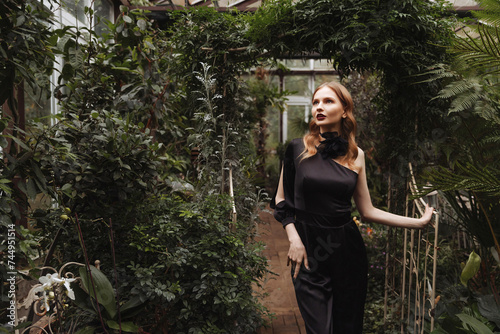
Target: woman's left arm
371,214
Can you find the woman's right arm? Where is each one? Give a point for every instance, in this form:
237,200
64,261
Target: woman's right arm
297,252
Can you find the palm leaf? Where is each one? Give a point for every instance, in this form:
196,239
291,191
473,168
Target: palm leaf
480,54
466,177
467,214
489,13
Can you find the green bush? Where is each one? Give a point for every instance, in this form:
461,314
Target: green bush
108,167
198,267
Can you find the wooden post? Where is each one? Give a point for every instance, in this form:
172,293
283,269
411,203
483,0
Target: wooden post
403,283
231,193
387,247
434,269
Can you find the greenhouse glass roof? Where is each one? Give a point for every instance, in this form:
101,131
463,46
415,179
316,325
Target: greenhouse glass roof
242,5
252,5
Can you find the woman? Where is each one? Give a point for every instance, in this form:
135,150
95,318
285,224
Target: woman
320,175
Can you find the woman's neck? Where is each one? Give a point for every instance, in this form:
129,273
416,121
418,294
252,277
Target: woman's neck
329,129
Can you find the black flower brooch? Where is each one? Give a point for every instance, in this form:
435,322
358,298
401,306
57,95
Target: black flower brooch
333,146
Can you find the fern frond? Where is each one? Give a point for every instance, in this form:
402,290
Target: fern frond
459,87
476,93
438,72
489,110
492,140
466,177
466,100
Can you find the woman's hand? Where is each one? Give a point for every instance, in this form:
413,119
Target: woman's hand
297,255
426,217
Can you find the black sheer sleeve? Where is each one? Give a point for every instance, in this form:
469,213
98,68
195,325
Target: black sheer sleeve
284,211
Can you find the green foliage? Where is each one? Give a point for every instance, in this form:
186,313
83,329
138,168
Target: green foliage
397,39
478,50
355,34
120,134
473,73
210,53
26,44
364,88
459,312
126,100
489,13
106,154
204,36
198,269
266,102
375,238
470,176
96,292
124,71
98,287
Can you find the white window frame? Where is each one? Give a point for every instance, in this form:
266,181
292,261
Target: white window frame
65,18
299,100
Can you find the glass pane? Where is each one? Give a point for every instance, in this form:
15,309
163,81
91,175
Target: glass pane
36,104
103,12
76,8
297,63
322,64
274,80
297,85
297,125
273,128
322,78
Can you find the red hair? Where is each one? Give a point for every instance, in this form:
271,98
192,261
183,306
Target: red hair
347,127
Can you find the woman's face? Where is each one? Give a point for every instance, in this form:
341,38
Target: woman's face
327,110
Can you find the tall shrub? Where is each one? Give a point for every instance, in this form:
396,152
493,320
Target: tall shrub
112,162
26,45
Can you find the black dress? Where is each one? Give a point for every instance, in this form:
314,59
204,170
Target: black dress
318,191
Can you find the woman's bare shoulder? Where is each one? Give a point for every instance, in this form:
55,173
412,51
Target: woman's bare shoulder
359,163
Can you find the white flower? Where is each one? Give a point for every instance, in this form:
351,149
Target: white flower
40,288
49,281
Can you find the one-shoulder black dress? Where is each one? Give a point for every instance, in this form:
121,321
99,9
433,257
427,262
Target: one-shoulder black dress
331,295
